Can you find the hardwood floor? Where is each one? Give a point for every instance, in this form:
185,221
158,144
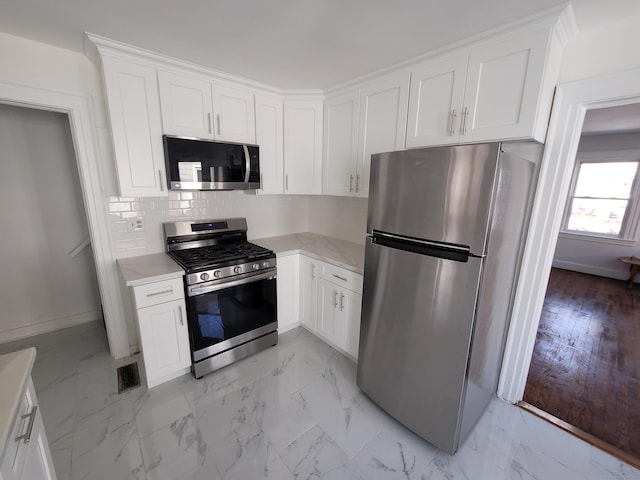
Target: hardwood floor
586,361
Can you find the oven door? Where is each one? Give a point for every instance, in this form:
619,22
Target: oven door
222,316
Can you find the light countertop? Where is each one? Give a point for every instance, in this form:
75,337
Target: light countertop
148,268
15,369
341,253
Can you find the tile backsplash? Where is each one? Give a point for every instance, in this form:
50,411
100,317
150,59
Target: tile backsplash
267,216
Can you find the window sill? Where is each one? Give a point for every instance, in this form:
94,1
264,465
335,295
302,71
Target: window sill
594,238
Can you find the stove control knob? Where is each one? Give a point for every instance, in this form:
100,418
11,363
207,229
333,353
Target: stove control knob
265,264
217,274
237,269
256,266
204,277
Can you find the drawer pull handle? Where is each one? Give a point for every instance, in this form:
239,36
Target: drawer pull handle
163,292
32,418
340,278
313,271
341,301
335,299
180,313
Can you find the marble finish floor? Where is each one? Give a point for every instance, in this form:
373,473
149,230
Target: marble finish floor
291,412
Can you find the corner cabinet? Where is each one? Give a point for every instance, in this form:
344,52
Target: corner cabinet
309,268
136,125
27,455
501,89
303,147
288,291
192,106
162,323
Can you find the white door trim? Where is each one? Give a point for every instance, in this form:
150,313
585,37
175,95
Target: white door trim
570,105
81,120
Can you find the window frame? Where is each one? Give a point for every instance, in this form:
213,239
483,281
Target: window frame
631,220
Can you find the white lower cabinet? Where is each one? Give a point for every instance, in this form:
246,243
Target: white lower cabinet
308,292
288,291
164,335
330,303
27,455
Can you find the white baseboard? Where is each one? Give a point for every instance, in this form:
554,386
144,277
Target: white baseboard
591,270
49,325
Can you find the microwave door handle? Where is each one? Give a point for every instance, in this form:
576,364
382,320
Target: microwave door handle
247,164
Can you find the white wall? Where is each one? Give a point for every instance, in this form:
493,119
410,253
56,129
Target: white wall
599,256
43,218
340,217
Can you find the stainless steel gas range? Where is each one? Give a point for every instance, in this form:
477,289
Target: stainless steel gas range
230,289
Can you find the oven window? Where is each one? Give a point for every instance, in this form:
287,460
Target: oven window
218,316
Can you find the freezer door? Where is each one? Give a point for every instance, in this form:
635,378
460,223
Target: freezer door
417,322
441,194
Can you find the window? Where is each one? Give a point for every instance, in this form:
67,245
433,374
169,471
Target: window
602,198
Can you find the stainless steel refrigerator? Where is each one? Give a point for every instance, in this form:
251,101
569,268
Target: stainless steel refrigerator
445,231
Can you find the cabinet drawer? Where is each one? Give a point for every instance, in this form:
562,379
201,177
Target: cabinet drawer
339,276
158,292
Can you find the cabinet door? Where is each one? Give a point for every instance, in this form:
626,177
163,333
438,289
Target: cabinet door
327,304
503,88
186,105
382,125
270,139
340,144
38,463
288,291
165,340
134,111
308,292
349,311
303,147
235,114
435,101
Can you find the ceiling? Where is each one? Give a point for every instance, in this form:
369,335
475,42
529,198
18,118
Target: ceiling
290,44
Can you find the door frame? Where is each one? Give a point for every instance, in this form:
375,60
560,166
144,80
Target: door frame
571,102
80,113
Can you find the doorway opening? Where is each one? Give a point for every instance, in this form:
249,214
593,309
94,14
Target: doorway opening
49,279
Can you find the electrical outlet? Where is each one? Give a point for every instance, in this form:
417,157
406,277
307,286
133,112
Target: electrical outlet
135,224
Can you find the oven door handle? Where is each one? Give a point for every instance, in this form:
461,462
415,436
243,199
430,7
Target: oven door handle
194,290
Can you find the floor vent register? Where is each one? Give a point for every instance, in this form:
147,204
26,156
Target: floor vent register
128,377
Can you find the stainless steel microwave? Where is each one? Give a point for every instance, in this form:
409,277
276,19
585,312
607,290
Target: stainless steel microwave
197,164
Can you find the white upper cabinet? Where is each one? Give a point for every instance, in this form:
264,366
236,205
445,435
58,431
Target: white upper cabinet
136,126
503,88
303,147
358,123
382,124
194,107
497,90
340,143
270,139
235,114
435,106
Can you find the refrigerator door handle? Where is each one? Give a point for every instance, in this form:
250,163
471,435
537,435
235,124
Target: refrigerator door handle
458,253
